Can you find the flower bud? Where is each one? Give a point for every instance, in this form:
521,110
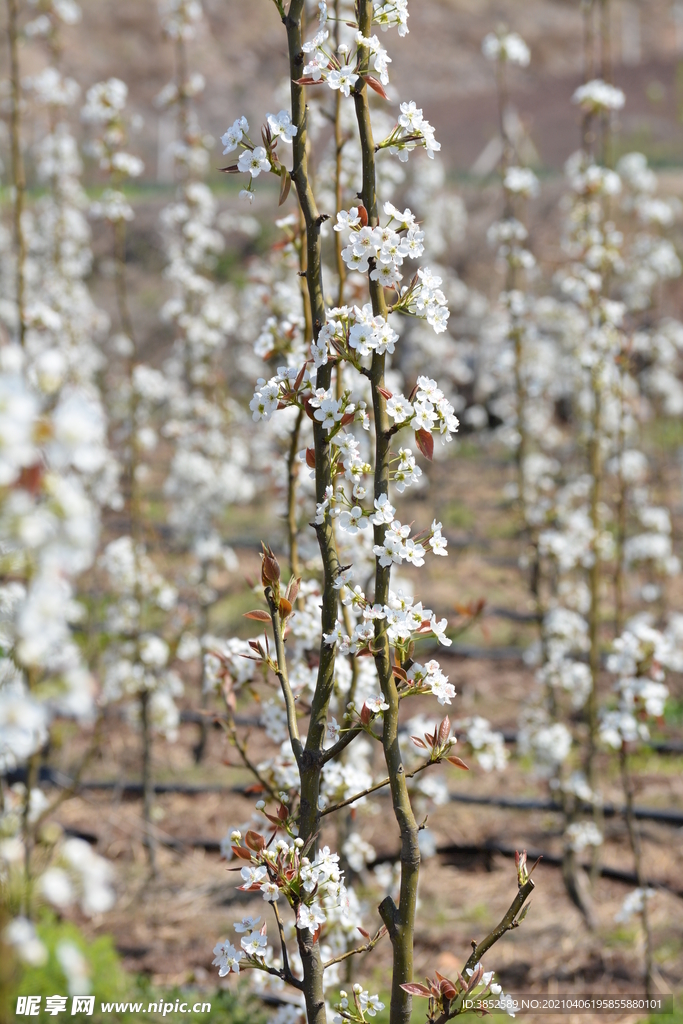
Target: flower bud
260,805
235,835
270,568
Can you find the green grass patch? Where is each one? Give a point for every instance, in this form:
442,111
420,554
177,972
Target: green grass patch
110,984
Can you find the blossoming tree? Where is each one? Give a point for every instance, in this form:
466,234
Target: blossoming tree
357,422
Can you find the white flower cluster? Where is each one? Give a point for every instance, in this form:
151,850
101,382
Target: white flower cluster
506,46
386,247
582,834
596,96
180,17
390,13
633,904
53,14
405,618
255,159
487,744
640,657
412,131
429,410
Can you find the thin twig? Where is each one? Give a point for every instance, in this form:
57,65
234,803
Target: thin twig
286,970
283,676
373,789
369,945
231,731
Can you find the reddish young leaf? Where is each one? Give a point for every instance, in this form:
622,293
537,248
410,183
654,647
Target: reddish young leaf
284,607
366,935
376,85
293,589
310,458
232,169
475,979
254,840
385,393
285,185
257,614
457,762
307,81
425,442
365,715
363,214
448,989
240,852
444,729
347,418
419,742
299,377
400,673
282,812
307,409
414,988
30,478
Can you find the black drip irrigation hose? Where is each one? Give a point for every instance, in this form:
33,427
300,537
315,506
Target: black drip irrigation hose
665,816
454,854
510,737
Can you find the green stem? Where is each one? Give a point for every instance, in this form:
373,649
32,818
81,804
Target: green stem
292,724
400,921
292,480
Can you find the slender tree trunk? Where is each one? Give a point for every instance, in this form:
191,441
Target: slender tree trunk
147,780
400,921
17,160
636,849
595,457
310,766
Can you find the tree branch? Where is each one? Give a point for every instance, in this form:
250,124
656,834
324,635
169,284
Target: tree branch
341,744
370,944
404,918
507,923
292,724
231,730
373,789
286,969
